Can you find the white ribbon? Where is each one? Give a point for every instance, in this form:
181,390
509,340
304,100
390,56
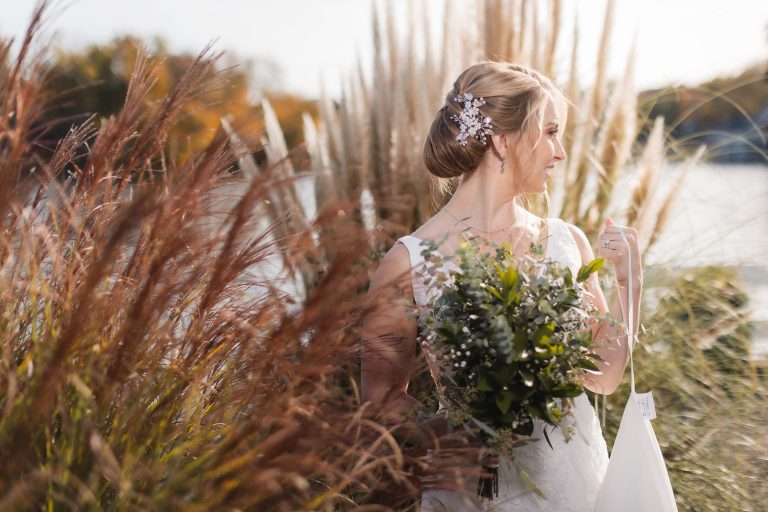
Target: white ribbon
629,324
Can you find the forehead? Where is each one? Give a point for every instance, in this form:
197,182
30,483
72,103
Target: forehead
550,112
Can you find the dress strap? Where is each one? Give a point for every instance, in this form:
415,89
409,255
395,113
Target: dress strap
563,232
413,244
414,249
561,246
557,230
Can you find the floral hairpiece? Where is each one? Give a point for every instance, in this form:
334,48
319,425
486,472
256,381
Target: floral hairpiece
471,122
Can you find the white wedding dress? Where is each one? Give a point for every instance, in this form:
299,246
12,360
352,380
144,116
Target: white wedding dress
570,473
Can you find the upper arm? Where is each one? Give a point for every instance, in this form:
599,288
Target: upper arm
389,328
592,283
595,383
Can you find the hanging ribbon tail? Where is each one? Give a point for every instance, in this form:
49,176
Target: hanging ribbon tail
630,314
488,484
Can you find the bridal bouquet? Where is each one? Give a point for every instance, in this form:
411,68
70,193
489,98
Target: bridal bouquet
511,338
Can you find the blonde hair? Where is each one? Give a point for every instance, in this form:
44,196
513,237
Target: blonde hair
515,100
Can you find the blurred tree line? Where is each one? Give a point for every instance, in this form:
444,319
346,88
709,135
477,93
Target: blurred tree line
729,114
94,80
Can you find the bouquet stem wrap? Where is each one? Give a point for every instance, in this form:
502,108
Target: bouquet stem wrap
488,486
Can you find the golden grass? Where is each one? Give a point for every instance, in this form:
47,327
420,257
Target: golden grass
391,115
146,363
151,361
710,396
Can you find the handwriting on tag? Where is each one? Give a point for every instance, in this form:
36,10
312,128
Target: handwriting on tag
645,402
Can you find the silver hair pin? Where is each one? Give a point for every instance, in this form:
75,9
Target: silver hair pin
471,122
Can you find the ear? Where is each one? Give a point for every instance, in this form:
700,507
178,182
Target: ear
499,144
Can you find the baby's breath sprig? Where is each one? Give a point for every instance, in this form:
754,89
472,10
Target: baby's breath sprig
511,336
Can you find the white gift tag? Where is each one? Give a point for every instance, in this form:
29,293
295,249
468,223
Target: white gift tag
645,402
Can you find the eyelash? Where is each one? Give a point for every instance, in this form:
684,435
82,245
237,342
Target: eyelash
552,132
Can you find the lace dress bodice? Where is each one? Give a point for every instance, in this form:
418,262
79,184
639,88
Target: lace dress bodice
570,473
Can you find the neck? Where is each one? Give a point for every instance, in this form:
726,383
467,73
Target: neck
484,199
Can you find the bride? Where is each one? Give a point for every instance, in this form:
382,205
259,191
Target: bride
497,132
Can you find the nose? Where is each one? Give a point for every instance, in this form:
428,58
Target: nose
559,151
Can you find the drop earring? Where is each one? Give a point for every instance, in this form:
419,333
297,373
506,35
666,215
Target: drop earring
503,164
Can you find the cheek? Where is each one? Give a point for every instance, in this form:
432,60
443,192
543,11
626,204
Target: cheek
543,154
551,147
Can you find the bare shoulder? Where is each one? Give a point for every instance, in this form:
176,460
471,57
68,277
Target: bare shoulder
577,233
437,224
394,268
581,241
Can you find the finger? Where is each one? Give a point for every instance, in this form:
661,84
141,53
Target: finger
610,242
618,229
610,254
613,253
616,238
615,244
616,235
618,245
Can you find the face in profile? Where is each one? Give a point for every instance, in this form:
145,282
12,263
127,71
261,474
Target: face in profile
537,164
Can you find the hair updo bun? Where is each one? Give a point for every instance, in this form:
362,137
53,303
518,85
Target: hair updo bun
515,99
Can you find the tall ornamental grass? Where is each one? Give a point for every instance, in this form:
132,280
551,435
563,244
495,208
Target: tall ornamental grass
148,363
183,335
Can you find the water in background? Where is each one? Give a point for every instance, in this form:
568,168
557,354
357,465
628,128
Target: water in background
720,217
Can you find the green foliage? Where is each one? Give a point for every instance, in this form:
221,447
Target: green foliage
512,336
710,398
137,374
94,81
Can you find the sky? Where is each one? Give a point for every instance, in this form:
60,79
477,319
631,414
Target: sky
318,41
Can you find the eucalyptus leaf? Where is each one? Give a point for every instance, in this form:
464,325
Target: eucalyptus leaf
587,270
546,436
493,291
554,413
542,352
503,401
528,379
588,365
528,481
483,426
483,384
520,340
524,441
